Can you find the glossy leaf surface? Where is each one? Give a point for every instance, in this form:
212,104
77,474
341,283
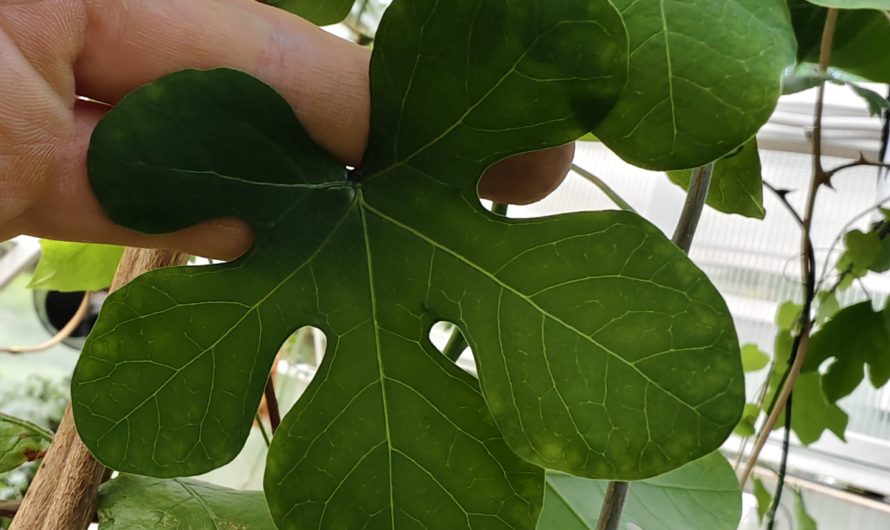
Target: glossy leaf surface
129,502
698,86
736,184
20,441
579,368
853,4
71,267
703,494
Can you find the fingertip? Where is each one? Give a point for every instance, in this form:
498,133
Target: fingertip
224,239
527,177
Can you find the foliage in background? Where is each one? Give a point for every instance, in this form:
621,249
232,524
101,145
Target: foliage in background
72,267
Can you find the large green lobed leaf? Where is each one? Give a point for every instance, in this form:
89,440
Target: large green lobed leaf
602,350
704,76
320,12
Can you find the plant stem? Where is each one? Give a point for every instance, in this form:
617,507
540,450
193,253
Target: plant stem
9,508
499,208
607,191
613,504
783,465
456,345
808,259
259,422
272,405
692,209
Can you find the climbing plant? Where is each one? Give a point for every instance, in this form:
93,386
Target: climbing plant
602,353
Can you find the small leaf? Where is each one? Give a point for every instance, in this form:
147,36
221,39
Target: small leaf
804,520
812,413
862,250
698,87
753,358
826,306
21,441
736,185
668,502
856,337
747,426
877,104
319,12
788,315
72,267
130,502
764,498
858,33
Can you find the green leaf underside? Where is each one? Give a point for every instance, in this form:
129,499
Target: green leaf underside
319,12
804,520
764,498
855,337
71,267
753,358
129,502
20,441
700,495
858,33
703,77
736,184
580,371
853,4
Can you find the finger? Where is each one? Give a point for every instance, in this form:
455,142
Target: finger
132,42
527,177
69,211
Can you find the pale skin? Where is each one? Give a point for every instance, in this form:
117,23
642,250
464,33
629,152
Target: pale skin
52,51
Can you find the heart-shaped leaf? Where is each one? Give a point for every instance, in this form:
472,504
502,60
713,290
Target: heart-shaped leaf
602,350
736,183
703,494
704,75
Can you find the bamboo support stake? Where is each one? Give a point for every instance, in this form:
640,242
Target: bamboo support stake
63,493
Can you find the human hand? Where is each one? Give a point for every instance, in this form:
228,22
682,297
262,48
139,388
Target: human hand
52,51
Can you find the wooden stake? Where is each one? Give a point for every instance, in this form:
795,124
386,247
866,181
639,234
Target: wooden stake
63,493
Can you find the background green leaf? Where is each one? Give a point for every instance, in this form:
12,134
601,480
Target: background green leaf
856,337
698,87
667,502
753,358
129,502
853,4
71,267
804,520
764,498
736,184
20,441
319,12
858,33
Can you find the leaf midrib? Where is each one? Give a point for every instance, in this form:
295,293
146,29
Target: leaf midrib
383,216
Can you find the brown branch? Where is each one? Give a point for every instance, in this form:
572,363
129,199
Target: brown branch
613,504
82,310
861,161
272,405
9,508
808,261
63,493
